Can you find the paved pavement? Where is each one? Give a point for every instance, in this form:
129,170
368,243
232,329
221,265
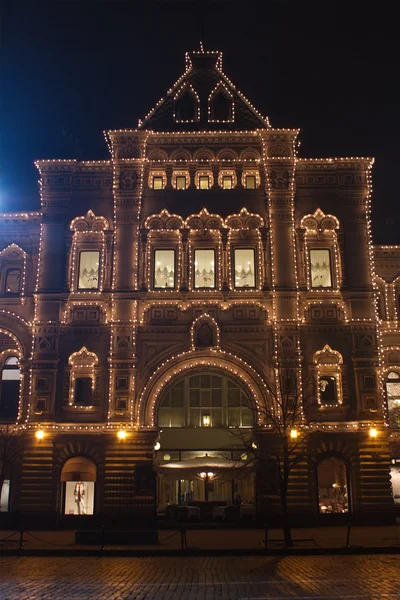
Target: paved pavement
240,578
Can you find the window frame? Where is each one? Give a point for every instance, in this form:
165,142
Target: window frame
388,381
13,294
179,177
80,252
15,368
246,177
234,248
202,177
223,179
197,249
224,407
153,179
153,272
312,248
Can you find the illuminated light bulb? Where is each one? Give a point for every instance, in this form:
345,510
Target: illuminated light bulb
294,433
373,433
254,446
121,435
39,434
157,446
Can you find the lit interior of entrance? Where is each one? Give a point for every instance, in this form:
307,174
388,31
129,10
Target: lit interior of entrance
201,460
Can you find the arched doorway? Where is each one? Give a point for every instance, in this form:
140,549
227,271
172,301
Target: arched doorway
333,487
78,481
204,418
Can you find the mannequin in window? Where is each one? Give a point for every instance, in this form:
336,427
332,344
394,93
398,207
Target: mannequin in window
79,494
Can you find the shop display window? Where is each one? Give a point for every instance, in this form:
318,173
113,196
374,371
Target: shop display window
5,496
89,263
332,487
320,261
164,269
244,268
79,498
204,269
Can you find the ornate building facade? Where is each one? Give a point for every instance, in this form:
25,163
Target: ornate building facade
143,307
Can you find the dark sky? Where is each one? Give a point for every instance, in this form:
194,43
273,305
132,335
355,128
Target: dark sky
70,69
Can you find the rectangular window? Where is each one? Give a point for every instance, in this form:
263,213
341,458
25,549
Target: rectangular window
227,182
244,268
83,391
89,267
328,392
204,268
158,182
320,261
181,182
5,496
164,269
204,182
79,498
250,182
13,280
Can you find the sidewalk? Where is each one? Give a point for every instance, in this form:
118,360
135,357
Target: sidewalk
319,540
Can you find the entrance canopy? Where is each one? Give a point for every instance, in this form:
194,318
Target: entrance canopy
196,467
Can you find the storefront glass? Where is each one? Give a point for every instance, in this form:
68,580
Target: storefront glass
332,487
79,498
5,496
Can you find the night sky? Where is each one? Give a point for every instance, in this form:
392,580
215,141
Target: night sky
71,69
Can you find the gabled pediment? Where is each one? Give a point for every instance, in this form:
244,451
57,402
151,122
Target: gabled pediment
203,99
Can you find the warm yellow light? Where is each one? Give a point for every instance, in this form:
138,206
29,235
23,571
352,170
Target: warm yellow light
206,420
373,432
121,434
39,434
157,446
294,433
203,475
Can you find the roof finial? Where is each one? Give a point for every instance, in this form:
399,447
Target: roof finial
201,47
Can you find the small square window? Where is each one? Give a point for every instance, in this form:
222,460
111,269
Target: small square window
204,182
121,403
250,182
227,182
158,182
40,404
122,383
181,182
42,383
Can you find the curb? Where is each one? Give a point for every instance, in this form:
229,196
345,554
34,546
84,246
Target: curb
194,552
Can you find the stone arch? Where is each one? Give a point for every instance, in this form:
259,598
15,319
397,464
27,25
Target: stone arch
204,155
181,154
204,332
249,155
157,154
17,329
191,360
227,154
129,152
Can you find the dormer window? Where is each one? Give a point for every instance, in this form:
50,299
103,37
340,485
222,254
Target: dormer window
158,183
204,182
250,182
320,267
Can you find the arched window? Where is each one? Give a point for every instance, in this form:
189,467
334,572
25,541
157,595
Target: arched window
329,376
88,252
82,377
333,491
322,253
206,400
10,386
393,397
78,478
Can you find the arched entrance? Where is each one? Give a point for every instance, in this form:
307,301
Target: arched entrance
78,481
333,487
204,419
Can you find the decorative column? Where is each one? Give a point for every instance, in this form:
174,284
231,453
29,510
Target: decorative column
143,259
185,260
265,258
225,260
